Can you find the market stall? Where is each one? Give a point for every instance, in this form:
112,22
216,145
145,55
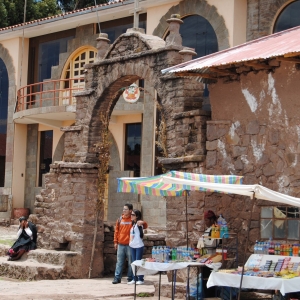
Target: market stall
259,274
142,267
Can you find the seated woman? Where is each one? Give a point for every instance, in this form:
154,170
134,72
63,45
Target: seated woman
26,240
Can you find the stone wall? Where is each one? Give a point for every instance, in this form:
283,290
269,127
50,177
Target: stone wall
31,165
65,213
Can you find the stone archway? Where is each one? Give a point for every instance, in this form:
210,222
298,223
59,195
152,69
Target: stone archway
70,192
202,8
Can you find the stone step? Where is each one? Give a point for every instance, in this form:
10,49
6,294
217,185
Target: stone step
41,264
28,269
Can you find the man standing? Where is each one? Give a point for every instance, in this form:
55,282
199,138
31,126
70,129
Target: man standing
121,243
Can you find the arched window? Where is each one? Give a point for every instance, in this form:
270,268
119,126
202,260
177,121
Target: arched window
74,69
3,118
197,33
289,17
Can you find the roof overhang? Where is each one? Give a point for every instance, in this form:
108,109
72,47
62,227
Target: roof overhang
115,10
262,54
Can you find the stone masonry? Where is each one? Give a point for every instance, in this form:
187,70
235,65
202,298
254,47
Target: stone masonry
66,208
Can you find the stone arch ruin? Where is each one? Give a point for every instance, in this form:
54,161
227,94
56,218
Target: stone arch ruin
65,210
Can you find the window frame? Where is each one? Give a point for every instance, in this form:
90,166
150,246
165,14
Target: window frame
285,219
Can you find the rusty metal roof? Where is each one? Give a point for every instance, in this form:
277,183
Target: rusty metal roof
285,43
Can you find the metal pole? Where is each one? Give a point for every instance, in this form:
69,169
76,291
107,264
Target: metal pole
246,247
159,284
135,271
186,220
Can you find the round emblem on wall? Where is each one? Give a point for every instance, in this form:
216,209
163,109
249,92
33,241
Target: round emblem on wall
132,93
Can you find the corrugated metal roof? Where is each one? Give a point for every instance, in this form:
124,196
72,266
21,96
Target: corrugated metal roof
274,45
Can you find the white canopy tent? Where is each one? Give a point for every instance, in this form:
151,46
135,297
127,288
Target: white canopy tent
254,190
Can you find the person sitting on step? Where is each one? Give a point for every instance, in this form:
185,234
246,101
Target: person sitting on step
26,239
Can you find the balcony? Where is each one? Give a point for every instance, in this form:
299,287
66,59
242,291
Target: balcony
48,100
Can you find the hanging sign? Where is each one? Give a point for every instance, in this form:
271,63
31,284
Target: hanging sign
132,93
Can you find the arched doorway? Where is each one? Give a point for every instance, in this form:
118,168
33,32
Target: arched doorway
288,18
3,118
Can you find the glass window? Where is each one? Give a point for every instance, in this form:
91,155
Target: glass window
46,144
49,56
197,33
280,222
3,118
117,27
133,143
289,17
75,69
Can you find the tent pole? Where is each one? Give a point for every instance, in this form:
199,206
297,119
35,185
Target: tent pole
246,247
186,220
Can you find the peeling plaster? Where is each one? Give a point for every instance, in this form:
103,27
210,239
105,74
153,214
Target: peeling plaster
233,127
251,100
244,159
298,132
258,150
282,185
221,147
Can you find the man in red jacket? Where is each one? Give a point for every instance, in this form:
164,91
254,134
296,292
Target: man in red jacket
121,243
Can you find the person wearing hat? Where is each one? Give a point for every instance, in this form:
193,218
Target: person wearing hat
26,239
210,219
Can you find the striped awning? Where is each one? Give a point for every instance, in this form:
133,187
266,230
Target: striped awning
156,186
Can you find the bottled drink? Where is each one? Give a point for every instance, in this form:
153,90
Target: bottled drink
161,254
153,251
174,254
255,247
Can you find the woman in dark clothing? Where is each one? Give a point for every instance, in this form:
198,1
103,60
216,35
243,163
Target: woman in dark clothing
26,241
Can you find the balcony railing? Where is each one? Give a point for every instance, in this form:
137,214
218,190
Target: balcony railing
49,93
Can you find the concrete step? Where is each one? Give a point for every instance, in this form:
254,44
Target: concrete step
41,264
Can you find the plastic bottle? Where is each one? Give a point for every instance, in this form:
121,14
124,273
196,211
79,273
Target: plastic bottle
255,247
153,251
174,254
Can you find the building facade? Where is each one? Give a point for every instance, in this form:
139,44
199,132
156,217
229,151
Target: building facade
43,63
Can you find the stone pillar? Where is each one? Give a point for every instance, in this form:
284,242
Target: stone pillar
187,54
31,165
65,214
102,45
174,38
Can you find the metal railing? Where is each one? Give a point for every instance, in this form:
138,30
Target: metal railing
49,93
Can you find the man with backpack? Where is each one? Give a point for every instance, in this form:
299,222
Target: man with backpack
121,243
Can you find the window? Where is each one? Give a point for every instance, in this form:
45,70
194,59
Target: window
117,27
289,17
197,33
49,56
280,222
3,118
75,69
46,143
133,143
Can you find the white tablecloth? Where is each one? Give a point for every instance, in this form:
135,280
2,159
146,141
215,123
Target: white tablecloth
283,285
151,268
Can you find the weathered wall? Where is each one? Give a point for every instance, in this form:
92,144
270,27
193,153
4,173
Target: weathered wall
254,132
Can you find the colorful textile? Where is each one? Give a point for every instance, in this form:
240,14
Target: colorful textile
156,187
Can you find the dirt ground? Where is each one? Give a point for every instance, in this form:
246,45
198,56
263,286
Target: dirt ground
84,289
